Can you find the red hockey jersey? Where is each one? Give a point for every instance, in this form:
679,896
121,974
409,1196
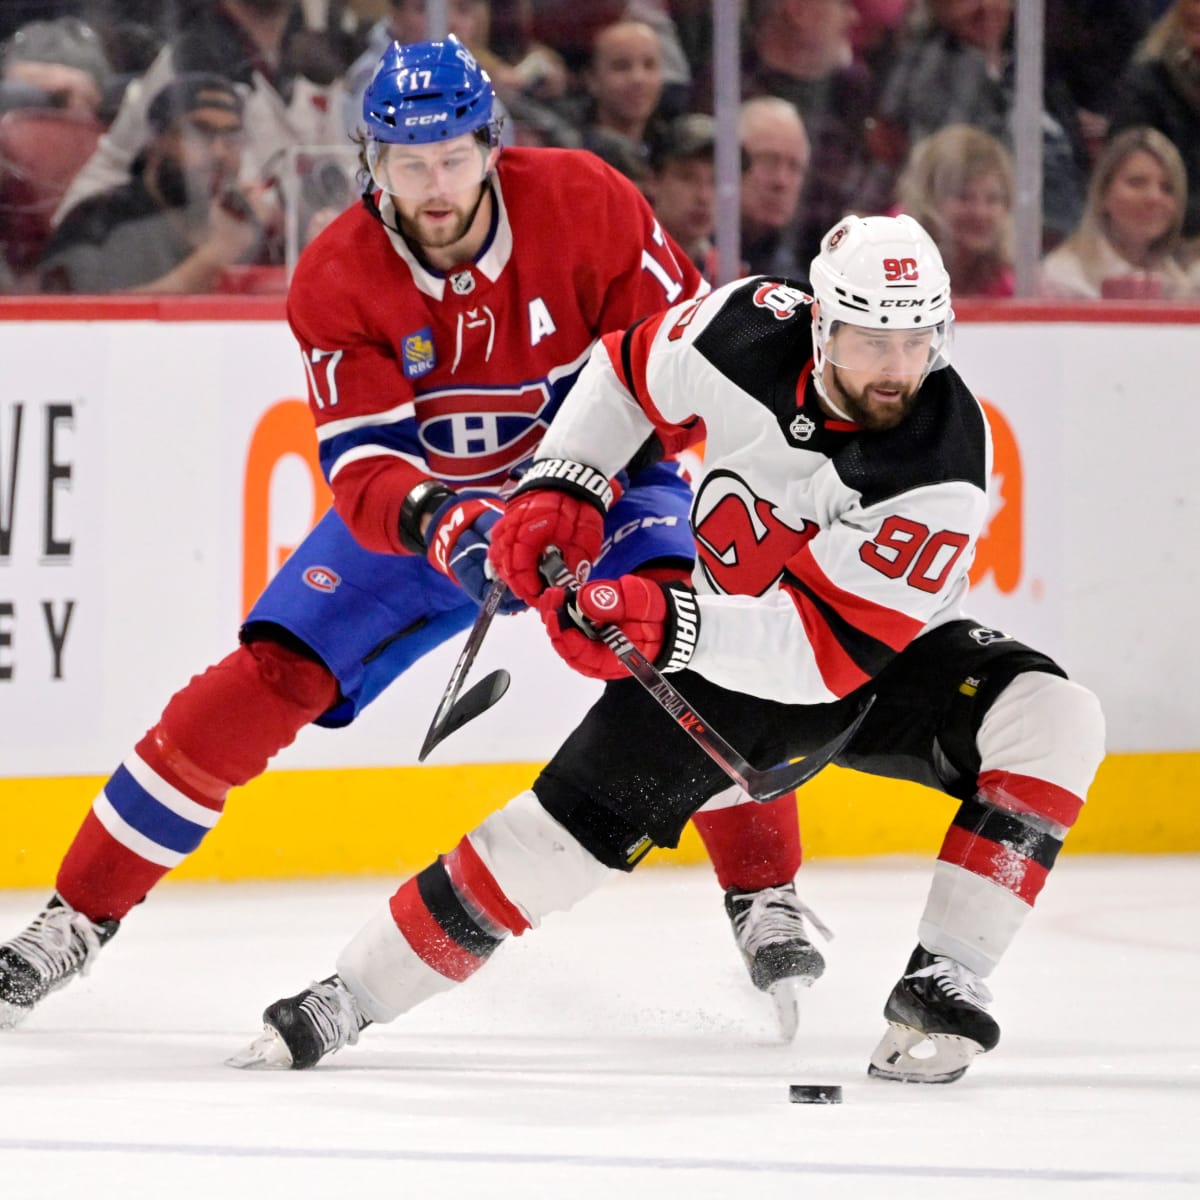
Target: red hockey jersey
415,374
822,549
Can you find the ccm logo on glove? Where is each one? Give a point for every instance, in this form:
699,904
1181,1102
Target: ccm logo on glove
457,520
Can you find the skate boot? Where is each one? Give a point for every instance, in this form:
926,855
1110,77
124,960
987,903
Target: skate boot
943,1004
299,1031
58,944
770,929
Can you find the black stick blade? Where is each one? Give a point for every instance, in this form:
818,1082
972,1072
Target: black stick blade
777,781
467,707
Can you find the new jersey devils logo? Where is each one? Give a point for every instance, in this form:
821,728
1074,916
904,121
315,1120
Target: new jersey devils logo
743,545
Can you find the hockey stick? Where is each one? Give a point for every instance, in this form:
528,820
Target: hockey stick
453,713
761,785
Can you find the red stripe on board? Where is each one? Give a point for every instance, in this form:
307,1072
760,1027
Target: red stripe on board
1024,793
143,308
431,943
1004,867
1082,312
468,872
272,308
894,629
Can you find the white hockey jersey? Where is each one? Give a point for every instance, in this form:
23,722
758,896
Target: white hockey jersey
823,549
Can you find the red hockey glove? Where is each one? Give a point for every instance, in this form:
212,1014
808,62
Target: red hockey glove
661,619
558,503
457,537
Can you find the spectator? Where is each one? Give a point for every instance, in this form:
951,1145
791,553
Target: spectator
1162,89
289,85
624,83
622,155
571,28
800,50
959,185
1088,45
956,67
683,188
181,220
1128,243
874,36
775,158
55,64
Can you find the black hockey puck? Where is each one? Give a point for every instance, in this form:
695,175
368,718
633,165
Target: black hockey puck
815,1093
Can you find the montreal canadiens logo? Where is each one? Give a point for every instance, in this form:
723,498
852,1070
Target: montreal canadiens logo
322,579
604,597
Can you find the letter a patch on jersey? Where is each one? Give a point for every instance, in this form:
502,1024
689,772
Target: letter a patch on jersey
541,323
416,353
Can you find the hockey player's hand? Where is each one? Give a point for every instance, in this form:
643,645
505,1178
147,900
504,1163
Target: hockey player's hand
560,504
661,619
457,537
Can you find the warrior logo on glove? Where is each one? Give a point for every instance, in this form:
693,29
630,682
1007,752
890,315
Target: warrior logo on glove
604,597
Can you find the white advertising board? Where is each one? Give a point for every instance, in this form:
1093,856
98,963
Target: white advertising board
153,473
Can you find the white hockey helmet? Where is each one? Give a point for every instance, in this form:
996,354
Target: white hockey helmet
882,273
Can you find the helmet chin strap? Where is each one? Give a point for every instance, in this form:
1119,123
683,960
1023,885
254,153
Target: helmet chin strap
372,206
818,376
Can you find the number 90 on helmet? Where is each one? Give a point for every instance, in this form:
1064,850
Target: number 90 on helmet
885,274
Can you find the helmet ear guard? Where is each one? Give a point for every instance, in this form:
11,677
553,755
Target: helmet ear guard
883,273
425,92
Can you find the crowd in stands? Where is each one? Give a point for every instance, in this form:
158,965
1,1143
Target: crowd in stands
197,145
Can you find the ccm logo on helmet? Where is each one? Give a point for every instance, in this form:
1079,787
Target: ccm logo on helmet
427,119
902,304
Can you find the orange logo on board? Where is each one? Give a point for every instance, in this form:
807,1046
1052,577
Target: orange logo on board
999,551
284,429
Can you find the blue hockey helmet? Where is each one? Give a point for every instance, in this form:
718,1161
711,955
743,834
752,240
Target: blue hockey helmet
429,92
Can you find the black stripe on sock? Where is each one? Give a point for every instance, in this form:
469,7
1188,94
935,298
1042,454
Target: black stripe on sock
1009,831
438,895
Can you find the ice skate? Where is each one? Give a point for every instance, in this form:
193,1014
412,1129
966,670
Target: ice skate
58,944
769,928
938,1008
301,1030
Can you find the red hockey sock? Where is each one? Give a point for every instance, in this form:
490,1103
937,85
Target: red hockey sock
218,732
752,846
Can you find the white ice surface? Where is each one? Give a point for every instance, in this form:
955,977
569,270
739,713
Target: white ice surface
617,1052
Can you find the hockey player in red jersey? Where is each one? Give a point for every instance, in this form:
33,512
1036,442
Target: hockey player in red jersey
441,323
843,488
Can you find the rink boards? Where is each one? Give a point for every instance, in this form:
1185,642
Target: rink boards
157,463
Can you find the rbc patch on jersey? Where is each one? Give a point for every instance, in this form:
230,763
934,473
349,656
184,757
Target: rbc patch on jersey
322,579
416,353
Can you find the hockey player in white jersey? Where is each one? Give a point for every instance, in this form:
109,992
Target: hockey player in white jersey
842,491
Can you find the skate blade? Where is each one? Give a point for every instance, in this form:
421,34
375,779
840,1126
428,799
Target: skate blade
786,997
947,1060
268,1052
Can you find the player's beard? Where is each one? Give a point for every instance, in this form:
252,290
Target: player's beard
421,232
869,411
